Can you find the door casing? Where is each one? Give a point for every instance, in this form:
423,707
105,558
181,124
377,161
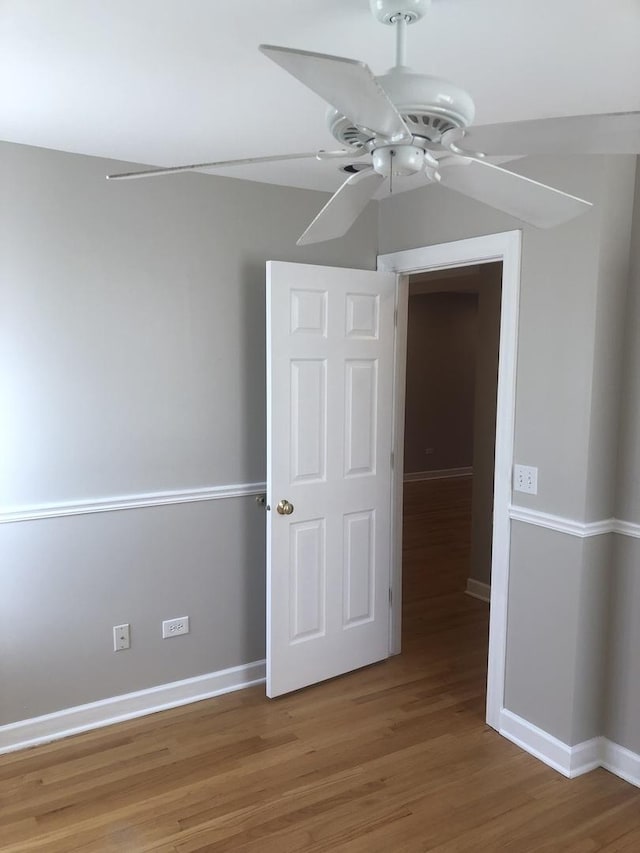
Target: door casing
505,247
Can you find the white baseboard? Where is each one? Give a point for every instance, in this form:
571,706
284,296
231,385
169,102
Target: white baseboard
547,748
477,589
117,709
624,763
585,756
571,761
440,474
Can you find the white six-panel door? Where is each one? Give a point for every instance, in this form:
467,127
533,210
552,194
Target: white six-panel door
330,339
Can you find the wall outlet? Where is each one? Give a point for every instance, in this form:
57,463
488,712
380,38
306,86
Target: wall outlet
121,637
175,627
525,479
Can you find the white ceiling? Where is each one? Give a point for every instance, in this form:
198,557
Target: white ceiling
165,82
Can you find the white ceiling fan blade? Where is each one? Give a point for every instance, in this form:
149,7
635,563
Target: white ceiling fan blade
347,85
247,161
343,208
608,133
522,197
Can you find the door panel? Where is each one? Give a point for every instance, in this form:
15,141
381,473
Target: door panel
361,392
330,339
308,420
308,580
358,568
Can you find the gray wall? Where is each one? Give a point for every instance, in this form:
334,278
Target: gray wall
622,711
131,361
622,723
484,420
628,469
557,315
558,613
544,587
569,333
616,214
441,366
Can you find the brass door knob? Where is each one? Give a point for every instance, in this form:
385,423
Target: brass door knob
284,507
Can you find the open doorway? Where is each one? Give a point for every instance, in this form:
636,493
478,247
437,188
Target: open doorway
504,247
453,340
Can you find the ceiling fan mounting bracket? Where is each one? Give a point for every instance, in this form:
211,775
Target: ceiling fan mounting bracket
391,11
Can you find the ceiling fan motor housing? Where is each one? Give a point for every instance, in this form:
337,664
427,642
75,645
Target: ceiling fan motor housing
430,106
425,95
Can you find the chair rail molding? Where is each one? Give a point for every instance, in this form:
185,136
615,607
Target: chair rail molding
572,527
33,512
437,474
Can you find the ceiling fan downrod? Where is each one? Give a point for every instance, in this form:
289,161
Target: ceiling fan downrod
401,22
399,13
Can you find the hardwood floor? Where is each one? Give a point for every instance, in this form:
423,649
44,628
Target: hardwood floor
393,758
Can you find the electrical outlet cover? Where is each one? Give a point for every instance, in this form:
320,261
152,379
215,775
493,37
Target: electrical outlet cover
175,627
525,479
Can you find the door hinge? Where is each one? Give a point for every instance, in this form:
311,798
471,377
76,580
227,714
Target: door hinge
392,460
395,317
390,597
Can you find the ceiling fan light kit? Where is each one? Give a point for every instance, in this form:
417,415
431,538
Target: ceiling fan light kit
398,160
405,123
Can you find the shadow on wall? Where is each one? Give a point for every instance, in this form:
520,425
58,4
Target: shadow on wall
441,357
253,389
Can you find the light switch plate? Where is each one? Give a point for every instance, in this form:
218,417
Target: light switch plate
121,637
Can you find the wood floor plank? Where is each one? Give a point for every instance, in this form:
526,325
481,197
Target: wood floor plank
394,758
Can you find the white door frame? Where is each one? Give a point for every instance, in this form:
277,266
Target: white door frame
504,247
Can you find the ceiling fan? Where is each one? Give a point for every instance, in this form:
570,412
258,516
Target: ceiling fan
405,123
